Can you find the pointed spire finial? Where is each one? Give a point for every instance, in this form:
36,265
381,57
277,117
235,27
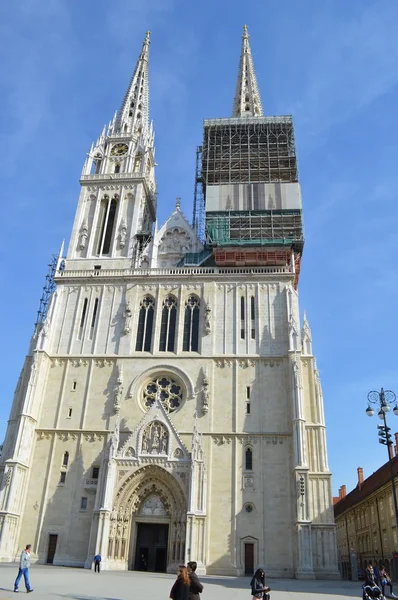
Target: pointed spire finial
134,111
178,203
247,102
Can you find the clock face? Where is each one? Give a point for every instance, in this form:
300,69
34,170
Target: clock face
119,149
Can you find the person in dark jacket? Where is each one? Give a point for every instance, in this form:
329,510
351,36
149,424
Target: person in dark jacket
196,587
259,589
181,587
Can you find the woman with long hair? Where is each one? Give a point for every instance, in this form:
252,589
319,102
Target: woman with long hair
259,589
181,587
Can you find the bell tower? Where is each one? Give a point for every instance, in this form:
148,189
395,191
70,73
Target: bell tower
117,205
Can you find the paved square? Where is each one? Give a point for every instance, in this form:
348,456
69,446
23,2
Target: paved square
55,583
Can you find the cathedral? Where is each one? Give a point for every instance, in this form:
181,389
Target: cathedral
170,407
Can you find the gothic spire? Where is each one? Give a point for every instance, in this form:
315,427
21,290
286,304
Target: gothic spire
134,111
247,102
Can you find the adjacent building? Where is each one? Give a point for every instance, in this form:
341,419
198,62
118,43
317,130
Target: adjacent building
170,407
366,523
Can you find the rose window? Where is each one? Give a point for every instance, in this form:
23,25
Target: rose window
167,389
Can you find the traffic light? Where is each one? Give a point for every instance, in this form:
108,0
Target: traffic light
384,435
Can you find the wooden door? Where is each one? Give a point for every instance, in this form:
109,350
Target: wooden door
52,546
249,559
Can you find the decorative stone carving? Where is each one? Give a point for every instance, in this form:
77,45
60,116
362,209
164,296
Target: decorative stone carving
83,235
128,313
118,392
153,507
248,481
155,439
122,233
223,363
246,362
207,318
205,393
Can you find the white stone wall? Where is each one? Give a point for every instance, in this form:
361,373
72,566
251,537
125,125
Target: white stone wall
75,413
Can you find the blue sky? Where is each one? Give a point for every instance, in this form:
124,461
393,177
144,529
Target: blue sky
332,64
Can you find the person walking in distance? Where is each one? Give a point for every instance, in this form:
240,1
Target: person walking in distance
97,560
24,564
180,589
196,587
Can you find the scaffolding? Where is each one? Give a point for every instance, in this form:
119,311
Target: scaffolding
48,290
256,149
252,228
198,221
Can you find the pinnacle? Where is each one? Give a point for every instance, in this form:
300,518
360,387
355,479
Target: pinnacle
247,102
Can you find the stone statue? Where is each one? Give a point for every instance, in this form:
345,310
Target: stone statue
208,318
122,233
155,440
164,443
144,443
128,313
83,235
117,397
205,393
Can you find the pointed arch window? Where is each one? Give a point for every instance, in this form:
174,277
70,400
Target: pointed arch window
242,318
253,317
168,325
83,317
249,459
65,459
191,325
145,324
117,168
107,219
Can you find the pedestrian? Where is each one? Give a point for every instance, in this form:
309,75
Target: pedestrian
259,589
376,574
24,564
181,587
196,587
97,560
385,579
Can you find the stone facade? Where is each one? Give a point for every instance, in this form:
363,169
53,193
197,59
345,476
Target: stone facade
183,403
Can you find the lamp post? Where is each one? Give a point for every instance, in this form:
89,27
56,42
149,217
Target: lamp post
384,399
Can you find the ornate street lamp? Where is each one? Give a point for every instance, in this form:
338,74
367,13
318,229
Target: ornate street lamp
384,400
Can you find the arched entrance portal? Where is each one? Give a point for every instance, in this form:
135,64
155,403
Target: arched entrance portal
148,522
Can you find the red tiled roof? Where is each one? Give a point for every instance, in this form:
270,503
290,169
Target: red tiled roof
369,485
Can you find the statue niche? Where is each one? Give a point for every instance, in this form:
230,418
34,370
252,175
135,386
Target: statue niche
155,439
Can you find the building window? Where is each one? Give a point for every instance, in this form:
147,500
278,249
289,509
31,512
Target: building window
62,477
74,384
69,413
248,392
83,504
107,219
169,391
93,318
168,325
83,317
242,318
95,473
65,460
253,318
145,323
249,459
191,325
117,168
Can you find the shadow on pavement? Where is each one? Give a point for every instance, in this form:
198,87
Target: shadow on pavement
346,588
